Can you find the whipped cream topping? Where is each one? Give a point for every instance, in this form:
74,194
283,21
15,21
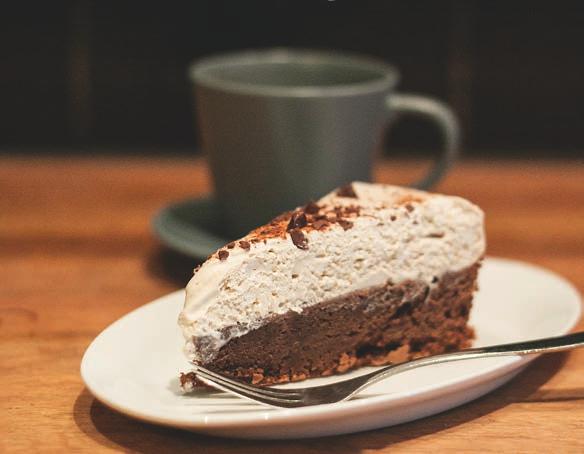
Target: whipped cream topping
394,234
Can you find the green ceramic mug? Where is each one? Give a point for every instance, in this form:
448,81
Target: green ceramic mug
282,127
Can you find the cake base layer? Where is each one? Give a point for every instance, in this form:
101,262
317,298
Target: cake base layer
374,326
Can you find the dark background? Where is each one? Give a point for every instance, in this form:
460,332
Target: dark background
78,76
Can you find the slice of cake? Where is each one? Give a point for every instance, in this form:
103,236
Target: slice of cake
368,275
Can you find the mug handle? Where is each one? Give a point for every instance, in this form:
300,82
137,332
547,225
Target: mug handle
441,114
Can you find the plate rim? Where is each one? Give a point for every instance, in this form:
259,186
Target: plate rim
276,417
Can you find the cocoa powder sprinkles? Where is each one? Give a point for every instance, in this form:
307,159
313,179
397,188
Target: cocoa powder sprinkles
303,220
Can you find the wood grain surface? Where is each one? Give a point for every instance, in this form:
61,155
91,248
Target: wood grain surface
76,253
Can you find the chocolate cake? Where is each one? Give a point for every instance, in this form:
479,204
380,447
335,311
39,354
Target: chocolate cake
368,275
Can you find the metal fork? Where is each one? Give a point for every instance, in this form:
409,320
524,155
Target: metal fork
343,390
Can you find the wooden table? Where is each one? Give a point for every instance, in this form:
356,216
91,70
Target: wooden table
77,253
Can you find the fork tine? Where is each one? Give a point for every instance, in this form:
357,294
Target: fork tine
248,394
268,391
241,394
252,390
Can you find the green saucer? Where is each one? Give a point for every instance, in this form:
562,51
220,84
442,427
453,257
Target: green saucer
191,227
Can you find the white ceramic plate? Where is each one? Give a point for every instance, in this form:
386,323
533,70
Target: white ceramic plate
133,366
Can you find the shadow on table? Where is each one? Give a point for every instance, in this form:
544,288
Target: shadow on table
114,430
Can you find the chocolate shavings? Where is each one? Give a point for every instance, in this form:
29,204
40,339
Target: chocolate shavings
346,225
298,220
321,223
299,239
311,208
346,191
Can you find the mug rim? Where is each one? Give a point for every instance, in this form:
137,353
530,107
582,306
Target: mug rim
200,72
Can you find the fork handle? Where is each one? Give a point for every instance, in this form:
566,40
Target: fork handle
545,345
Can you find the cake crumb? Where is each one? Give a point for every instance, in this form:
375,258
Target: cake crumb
346,362
298,376
257,377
